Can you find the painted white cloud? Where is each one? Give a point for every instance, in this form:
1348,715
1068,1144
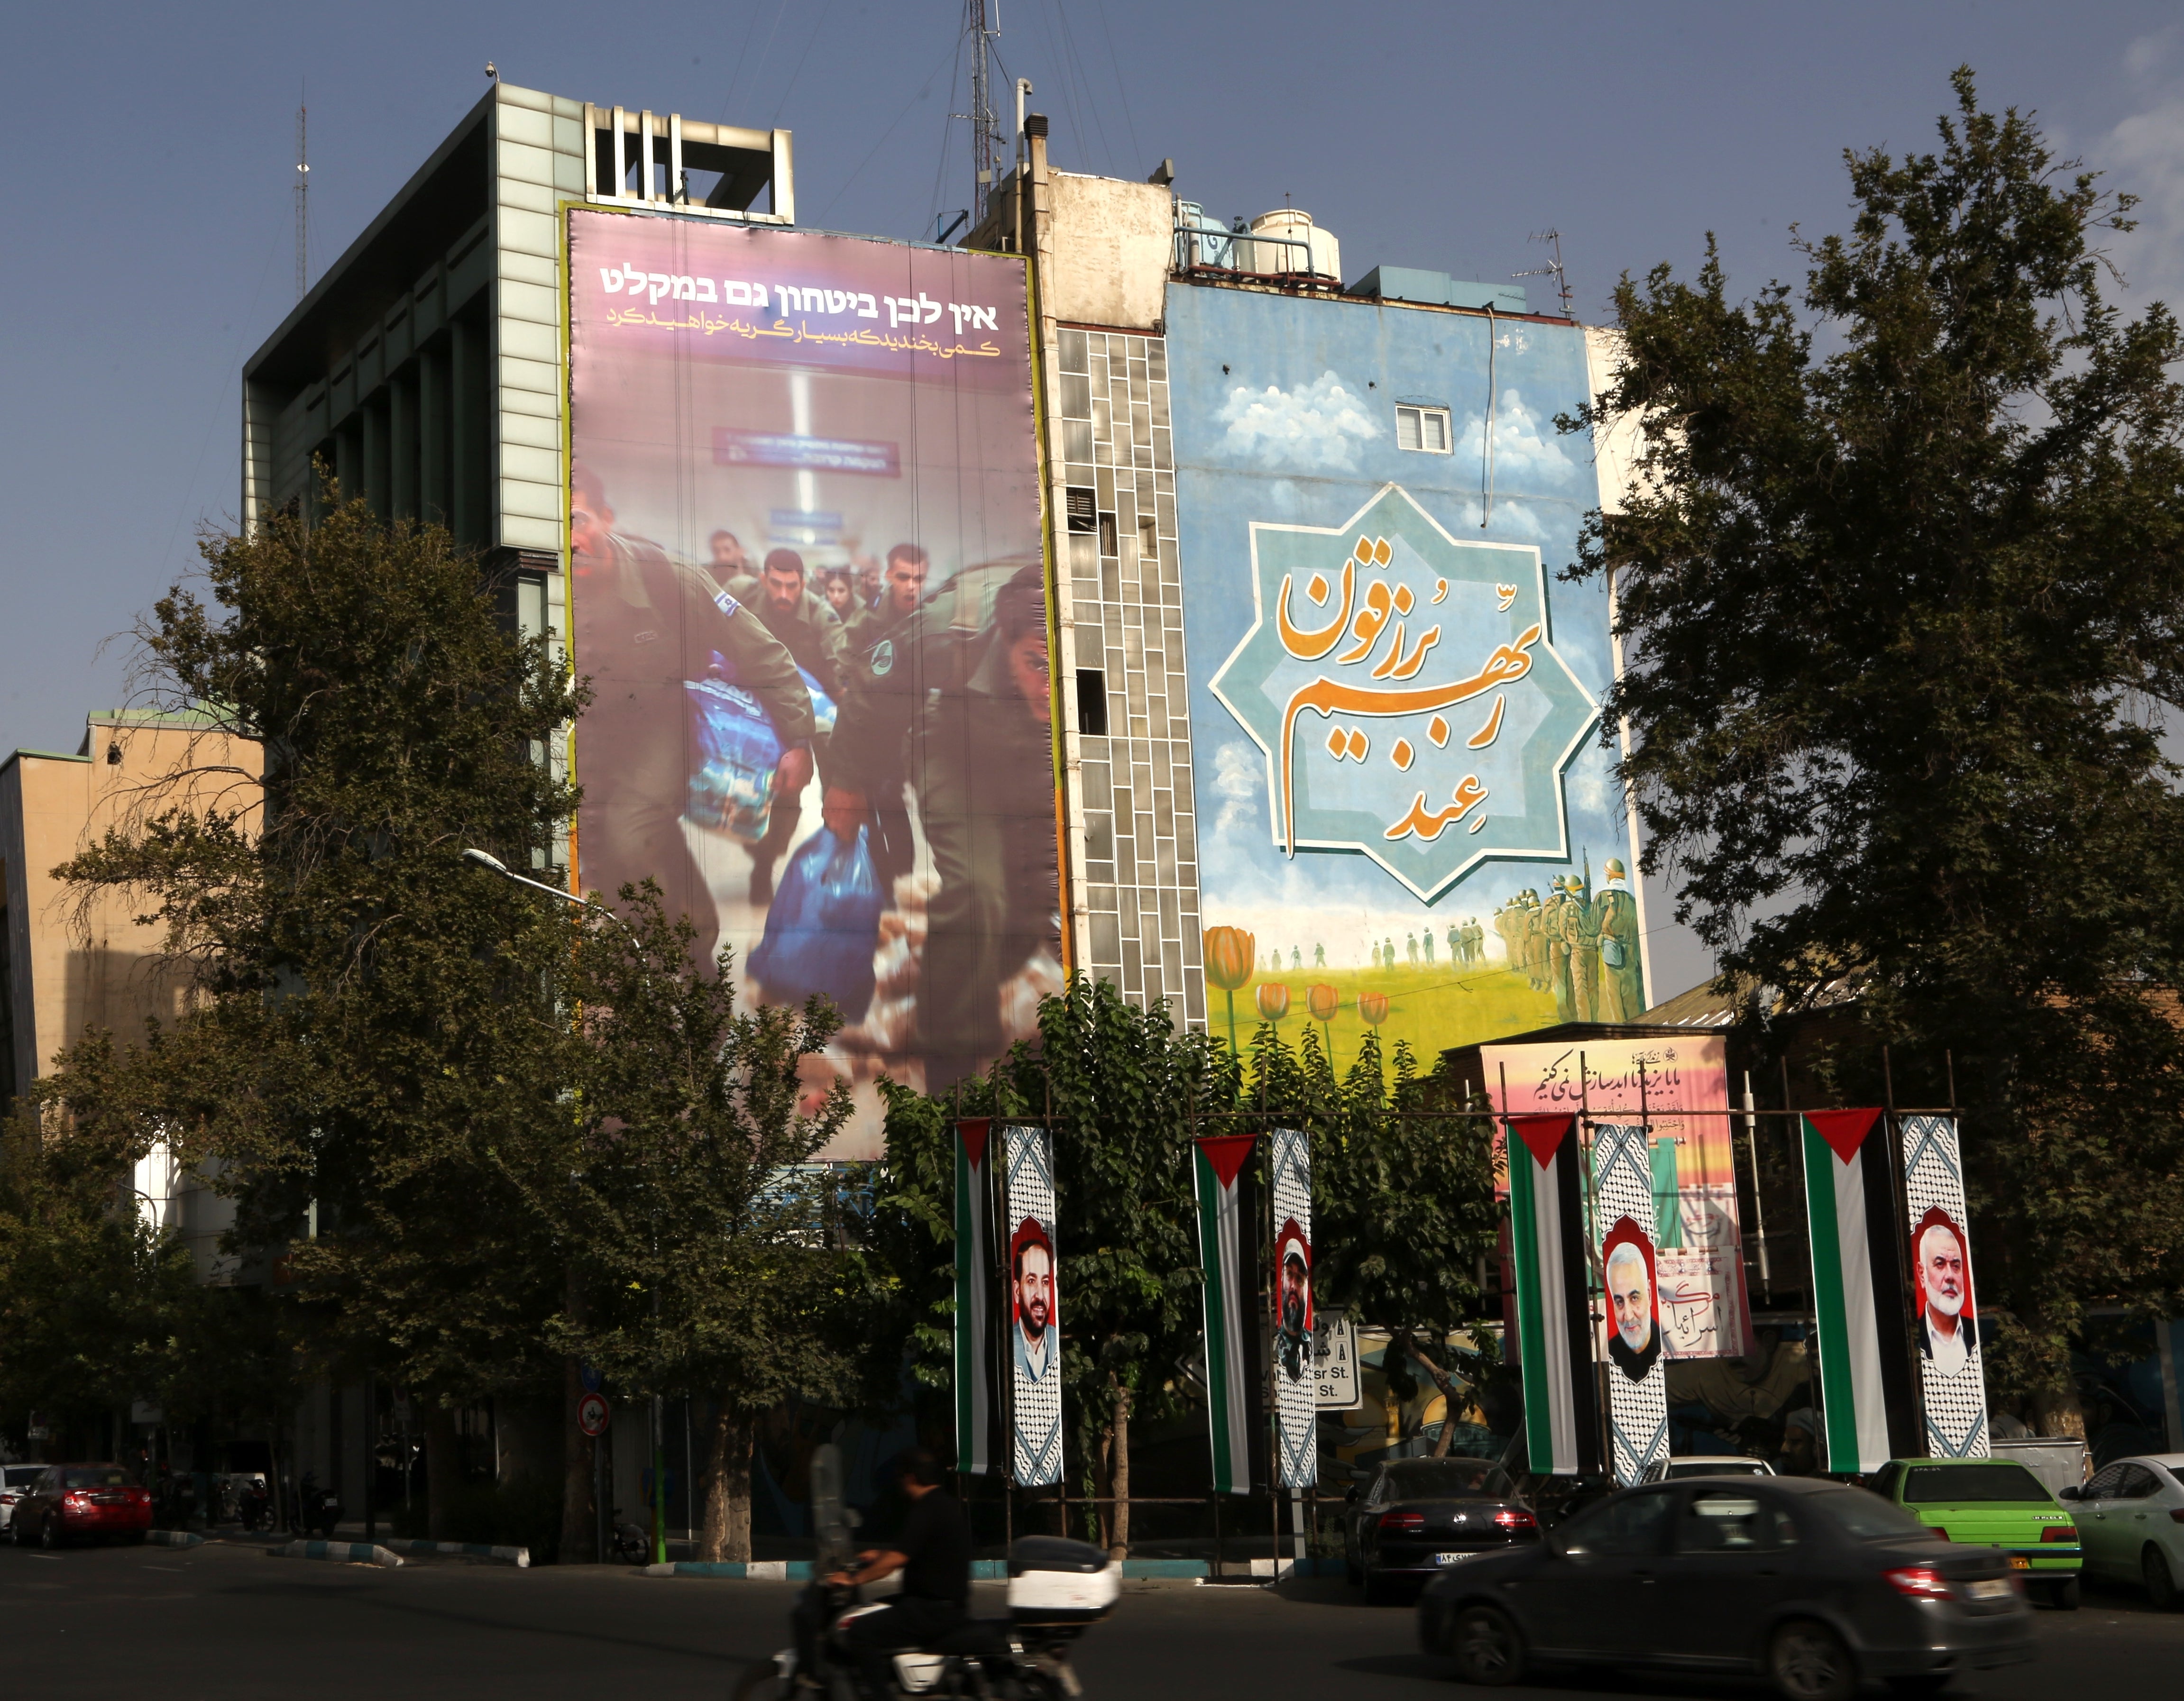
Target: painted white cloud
1513,521
1528,450
1240,774
1316,427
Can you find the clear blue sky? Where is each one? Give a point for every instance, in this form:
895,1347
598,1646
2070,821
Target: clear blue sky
150,234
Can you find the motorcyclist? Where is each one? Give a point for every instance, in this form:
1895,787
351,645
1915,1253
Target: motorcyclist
932,1553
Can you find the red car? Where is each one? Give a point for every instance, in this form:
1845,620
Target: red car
71,1501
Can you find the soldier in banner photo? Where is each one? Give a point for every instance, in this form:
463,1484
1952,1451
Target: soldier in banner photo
902,588
805,623
1293,1302
955,702
1948,1333
1034,1343
644,618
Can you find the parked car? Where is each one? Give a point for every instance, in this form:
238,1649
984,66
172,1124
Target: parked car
15,1481
1419,1514
1818,1585
1997,1502
69,1502
2130,1524
1706,1464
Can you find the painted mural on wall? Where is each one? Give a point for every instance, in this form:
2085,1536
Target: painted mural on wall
1408,821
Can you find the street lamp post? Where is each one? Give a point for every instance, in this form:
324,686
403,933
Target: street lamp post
493,865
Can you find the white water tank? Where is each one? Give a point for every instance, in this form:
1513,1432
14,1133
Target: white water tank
1322,260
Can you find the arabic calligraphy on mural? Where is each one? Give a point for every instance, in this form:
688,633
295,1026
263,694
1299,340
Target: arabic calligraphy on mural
1367,634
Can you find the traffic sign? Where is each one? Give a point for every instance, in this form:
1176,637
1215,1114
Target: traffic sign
588,1375
593,1416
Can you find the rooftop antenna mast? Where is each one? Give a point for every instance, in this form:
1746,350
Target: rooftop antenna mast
982,22
303,208
1553,268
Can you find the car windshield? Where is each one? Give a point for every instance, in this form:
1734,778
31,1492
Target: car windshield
1444,1479
1865,1517
1961,1485
1720,1467
21,1475
95,1476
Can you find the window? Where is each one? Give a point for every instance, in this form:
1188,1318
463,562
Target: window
2137,1483
1422,429
1446,1479
1629,1524
1079,501
1961,1485
1721,1520
2104,1486
1865,1517
1092,702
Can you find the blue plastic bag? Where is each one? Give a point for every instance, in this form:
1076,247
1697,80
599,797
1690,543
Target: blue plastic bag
731,786
822,925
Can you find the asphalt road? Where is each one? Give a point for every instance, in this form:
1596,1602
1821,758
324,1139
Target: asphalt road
231,1623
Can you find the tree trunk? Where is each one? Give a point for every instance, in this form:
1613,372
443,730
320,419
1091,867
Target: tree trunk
1407,1344
2058,1411
1118,1476
728,1485
580,1535
443,1468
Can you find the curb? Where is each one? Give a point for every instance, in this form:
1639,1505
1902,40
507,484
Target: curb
340,1552
475,1550
982,1570
174,1538
1281,1571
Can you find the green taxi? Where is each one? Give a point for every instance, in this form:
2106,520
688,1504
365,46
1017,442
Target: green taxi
1996,1501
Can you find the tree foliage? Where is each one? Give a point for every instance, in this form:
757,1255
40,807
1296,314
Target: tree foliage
1901,593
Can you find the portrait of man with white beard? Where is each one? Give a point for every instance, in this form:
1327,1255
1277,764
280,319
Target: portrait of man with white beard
1948,1333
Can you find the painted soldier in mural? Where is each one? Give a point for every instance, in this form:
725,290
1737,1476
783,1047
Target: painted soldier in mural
1622,996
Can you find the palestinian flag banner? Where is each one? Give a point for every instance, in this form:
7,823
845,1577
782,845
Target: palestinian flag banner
1217,1167
1295,1367
974,1280
1866,1395
1951,1380
1554,1341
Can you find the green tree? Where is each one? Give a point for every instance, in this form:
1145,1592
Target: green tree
711,1246
368,1014
1901,592
1403,1205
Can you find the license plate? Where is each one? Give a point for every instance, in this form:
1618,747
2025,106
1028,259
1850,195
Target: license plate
1986,1588
2020,1562
1448,1558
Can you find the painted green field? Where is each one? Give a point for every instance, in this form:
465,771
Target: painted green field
1432,1008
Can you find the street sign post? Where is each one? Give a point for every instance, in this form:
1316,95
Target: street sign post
593,1415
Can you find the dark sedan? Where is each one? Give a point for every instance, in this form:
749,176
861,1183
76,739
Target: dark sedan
1419,1514
1818,1585
70,1503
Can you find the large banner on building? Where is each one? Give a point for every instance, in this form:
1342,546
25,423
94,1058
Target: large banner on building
1866,1390
1679,1085
1952,1377
807,585
1402,794
1034,1275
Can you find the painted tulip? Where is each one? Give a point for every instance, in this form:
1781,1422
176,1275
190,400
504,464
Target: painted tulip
1230,956
1323,1001
1373,1007
1274,1000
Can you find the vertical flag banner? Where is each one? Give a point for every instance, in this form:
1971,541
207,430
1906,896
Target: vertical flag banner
1034,1307
1637,1379
1546,1234
974,1276
1951,1380
1296,1390
1215,1167
1858,1288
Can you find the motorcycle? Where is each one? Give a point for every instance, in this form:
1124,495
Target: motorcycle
1057,1589
631,1544
254,1505
319,1509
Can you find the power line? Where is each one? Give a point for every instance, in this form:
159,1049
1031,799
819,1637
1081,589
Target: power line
303,210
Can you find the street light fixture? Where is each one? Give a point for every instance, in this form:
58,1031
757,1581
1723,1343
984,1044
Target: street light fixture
493,864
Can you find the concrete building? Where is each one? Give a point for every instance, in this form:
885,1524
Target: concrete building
73,964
